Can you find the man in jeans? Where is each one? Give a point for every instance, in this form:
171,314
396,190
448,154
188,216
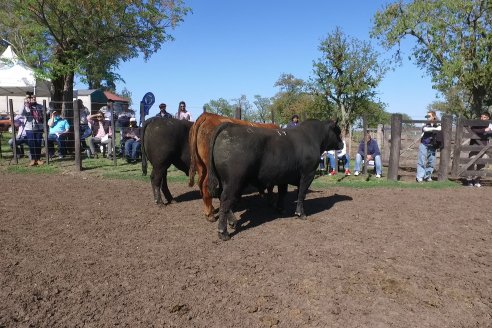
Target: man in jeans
427,152
373,154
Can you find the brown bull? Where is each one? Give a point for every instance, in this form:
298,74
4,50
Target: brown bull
199,139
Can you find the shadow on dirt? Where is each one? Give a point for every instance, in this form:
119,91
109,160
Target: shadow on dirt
187,196
258,211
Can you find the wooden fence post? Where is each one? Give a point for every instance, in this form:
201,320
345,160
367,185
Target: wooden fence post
204,109
364,132
457,146
113,127
14,132
76,133
45,133
395,145
445,159
238,113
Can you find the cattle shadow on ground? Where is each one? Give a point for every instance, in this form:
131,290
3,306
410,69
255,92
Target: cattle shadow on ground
258,211
188,196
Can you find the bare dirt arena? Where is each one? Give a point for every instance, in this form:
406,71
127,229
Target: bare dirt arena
78,251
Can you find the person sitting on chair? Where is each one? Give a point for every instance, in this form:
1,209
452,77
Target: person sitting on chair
101,133
373,154
20,137
132,143
58,128
340,155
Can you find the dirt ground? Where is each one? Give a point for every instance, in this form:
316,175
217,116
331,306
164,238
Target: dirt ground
78,251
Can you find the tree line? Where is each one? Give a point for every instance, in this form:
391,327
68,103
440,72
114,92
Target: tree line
88,39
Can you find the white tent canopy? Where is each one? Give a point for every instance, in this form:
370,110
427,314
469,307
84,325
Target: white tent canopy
16,78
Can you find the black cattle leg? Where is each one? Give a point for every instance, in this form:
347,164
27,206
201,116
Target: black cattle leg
225,213
155,181
301,195
165,189
282,191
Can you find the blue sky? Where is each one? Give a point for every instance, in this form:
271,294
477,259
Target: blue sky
226,49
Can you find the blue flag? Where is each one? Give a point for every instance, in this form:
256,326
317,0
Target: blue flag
147,101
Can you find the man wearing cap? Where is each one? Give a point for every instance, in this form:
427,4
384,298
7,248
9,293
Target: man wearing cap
162,112
131,136
33,112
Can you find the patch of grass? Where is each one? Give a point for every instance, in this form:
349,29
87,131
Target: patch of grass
370,181
23,168
104,168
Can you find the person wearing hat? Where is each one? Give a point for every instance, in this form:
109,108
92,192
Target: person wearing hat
34,125
101,133
162,112
294,122
131,136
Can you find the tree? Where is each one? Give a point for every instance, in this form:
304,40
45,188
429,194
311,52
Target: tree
454,103
62,38
263,109
346,75
453,42
220,107
293,99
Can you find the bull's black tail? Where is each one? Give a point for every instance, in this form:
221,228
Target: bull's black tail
213,179
142,145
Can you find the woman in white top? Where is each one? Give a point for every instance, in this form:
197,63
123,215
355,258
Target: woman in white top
182,113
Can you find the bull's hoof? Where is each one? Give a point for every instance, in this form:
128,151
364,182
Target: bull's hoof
300,216
158,202
172,201
224,236
232,224
211,217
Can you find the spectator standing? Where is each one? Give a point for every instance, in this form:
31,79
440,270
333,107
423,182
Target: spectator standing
58,128
335,155
373,154
427,149
182,113
483,133
162,111
33,112
294,122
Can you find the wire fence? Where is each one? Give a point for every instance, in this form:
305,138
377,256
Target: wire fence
76,143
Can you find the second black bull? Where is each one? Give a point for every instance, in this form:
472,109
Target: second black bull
165,143
242,155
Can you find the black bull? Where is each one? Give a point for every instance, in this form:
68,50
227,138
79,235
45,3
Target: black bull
165,142
261,157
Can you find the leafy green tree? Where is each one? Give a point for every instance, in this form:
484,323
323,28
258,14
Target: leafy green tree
220,107
293,99
346,75
125,93
454,103
62,38
453,42
263,109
